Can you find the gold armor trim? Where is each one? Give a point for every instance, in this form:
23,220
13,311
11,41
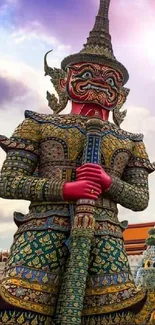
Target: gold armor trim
115,307
110,289
28,305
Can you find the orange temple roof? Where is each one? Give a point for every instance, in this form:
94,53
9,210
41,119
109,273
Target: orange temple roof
135,236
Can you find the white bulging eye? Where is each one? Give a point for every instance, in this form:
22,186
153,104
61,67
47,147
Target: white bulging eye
87,75
110,81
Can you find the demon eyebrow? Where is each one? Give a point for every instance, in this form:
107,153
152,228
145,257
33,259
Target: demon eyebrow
72,67
80,67
116,75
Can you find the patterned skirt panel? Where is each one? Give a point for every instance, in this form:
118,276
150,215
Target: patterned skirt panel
36,265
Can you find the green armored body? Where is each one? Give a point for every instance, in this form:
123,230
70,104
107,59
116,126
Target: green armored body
67,264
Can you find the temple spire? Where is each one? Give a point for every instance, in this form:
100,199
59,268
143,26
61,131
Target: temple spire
102,21
100,36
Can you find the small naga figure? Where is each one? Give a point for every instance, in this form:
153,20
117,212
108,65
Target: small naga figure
67,264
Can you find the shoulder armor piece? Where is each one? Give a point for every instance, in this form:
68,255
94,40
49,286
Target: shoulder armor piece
35,116
6,144
135,136
66,120
122,133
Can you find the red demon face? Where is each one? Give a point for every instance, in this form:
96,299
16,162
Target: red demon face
94,83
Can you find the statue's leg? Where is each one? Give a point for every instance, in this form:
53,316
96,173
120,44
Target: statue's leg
126,316
30,285
110,291
11,315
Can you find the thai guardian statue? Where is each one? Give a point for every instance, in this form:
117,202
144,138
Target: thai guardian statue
67,264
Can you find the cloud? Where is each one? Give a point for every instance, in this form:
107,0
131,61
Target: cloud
22,87
53,18
131,18
65,21
140,120
21,67
11,89
7,225
6,214
37,36
2,3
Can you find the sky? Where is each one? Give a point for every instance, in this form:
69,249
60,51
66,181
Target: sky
28,29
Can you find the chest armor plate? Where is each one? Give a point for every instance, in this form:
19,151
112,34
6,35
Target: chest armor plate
62,149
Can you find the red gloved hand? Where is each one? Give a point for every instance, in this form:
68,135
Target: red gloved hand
94,173
82,189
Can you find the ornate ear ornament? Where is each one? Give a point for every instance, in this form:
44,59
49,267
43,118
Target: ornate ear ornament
57,79
118,115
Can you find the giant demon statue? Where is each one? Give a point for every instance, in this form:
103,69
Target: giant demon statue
67,264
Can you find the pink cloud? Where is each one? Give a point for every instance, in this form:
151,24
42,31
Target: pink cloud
11,89
71,22
129,18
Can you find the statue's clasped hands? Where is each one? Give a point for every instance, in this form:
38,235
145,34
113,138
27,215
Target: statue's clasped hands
91,181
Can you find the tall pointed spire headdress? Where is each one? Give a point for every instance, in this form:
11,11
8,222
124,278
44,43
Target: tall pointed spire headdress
98,48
